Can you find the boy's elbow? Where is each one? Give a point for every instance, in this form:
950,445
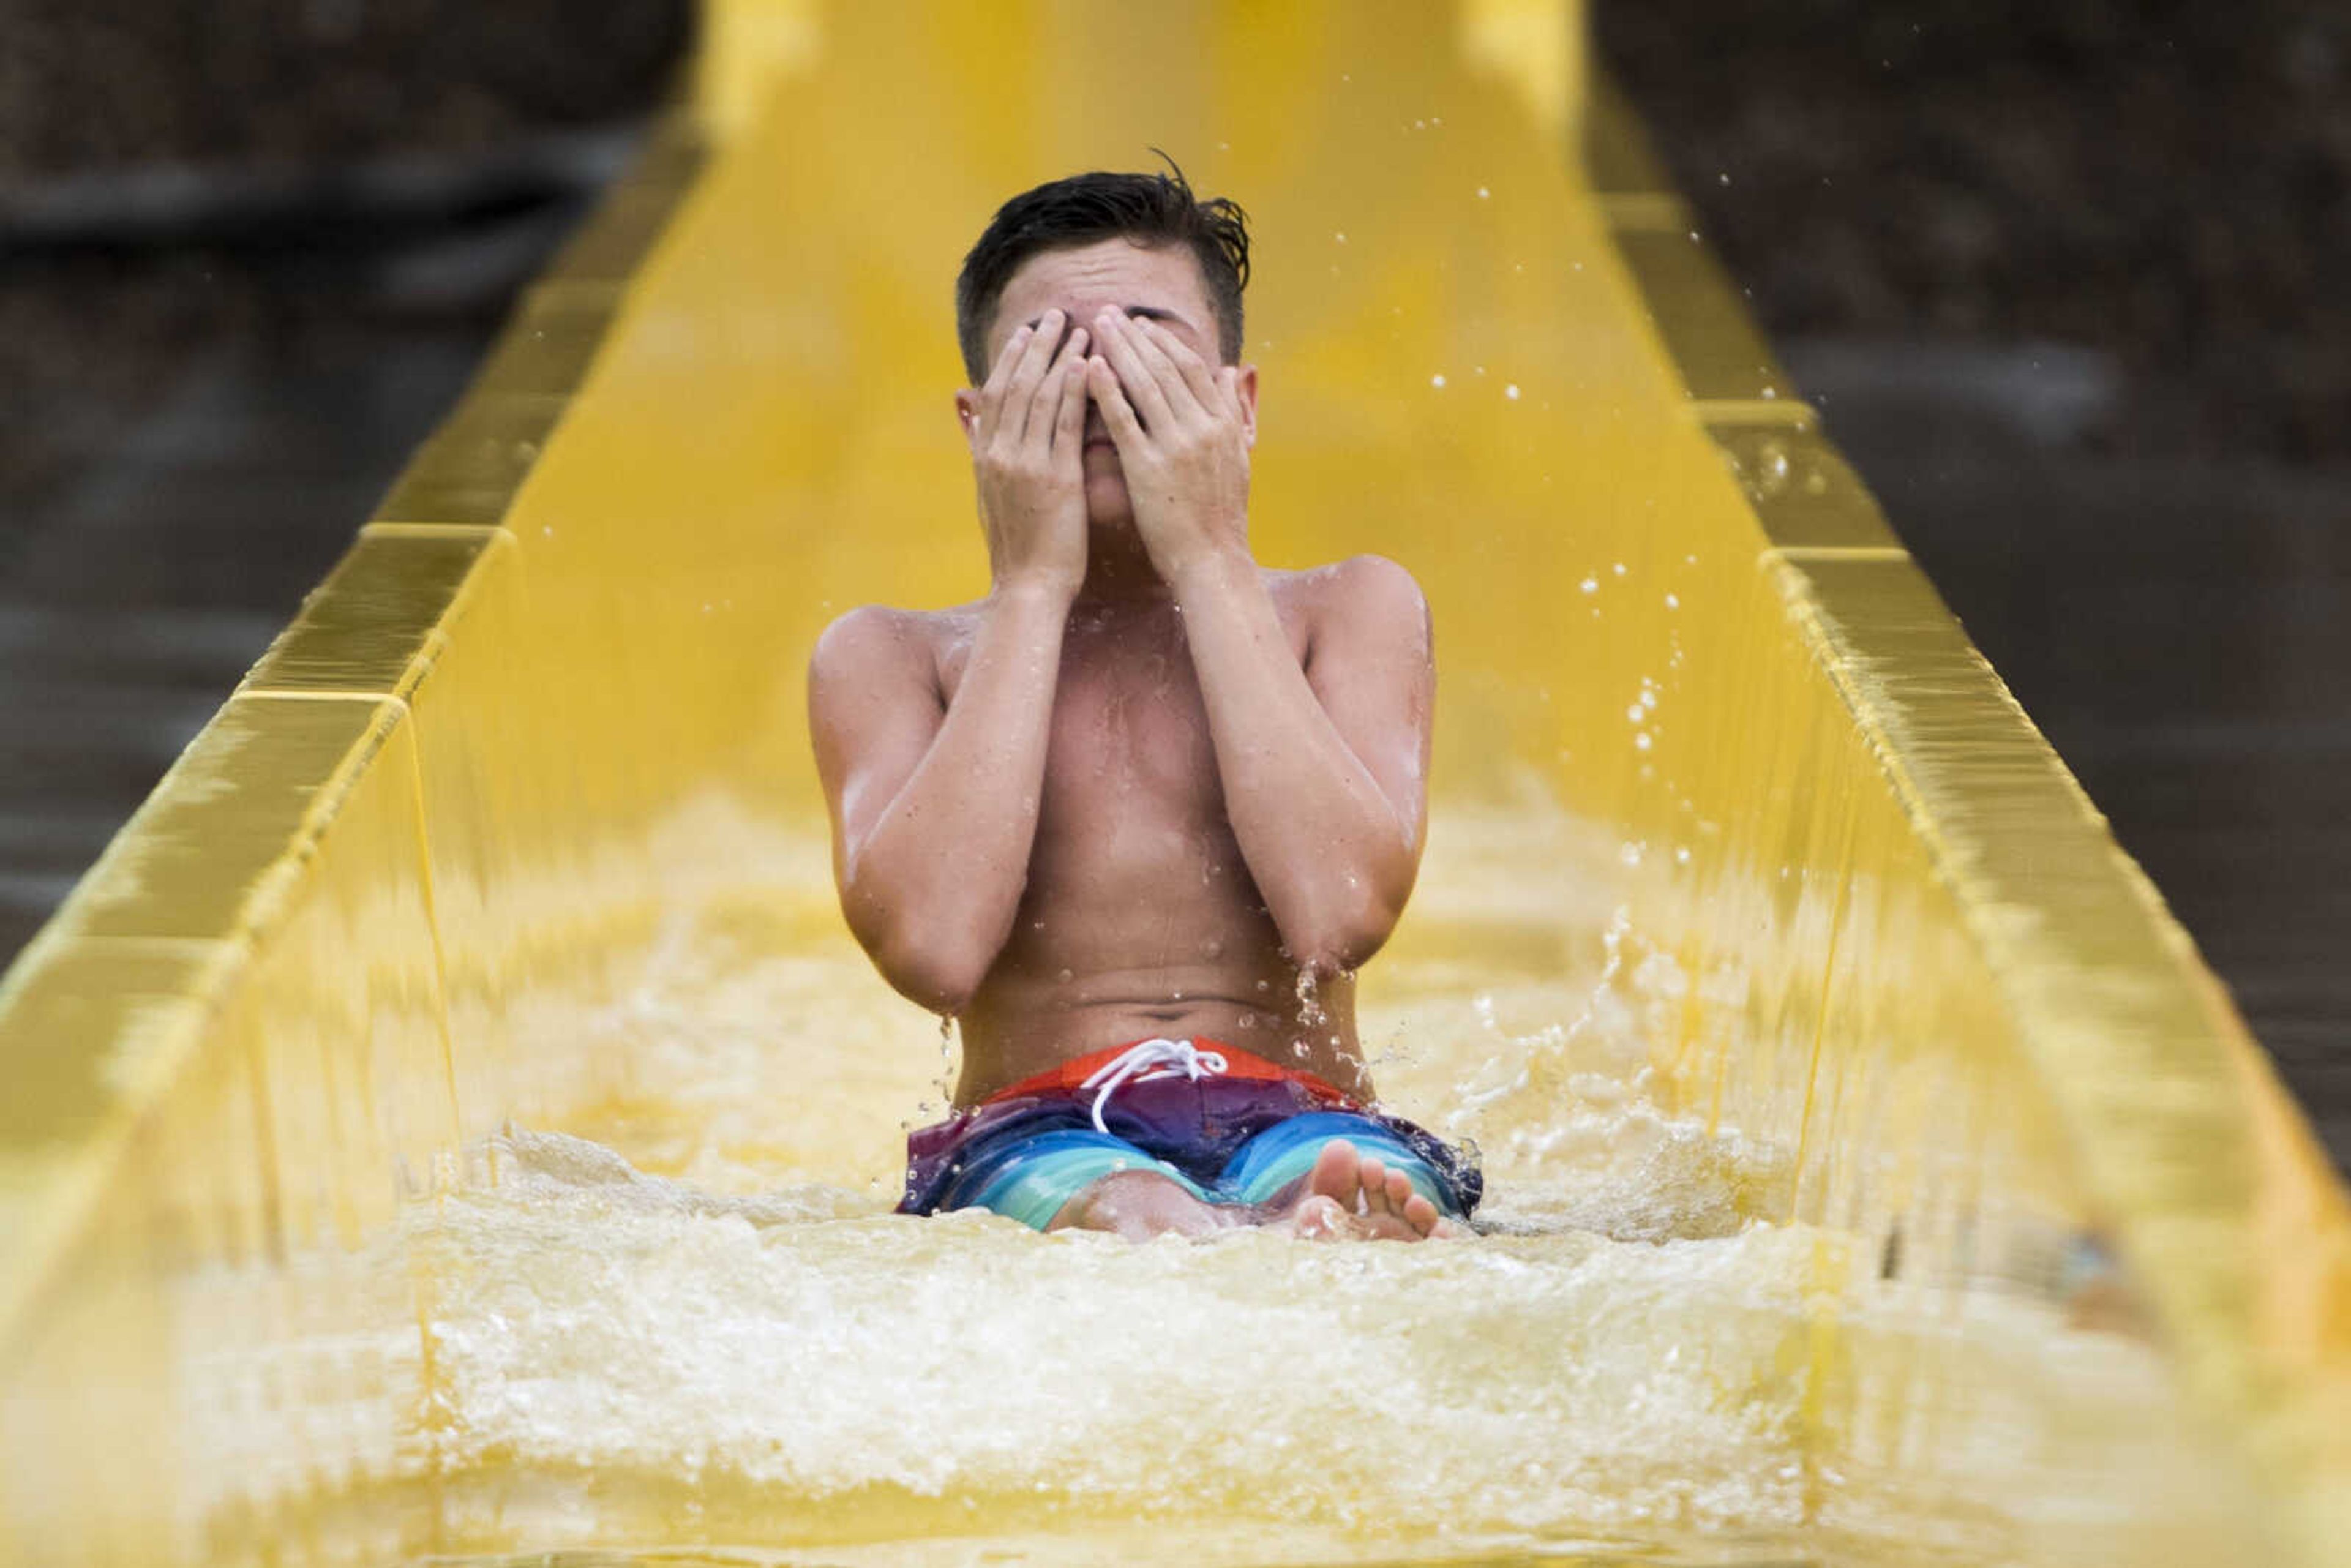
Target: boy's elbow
931,978
938,970
1348,939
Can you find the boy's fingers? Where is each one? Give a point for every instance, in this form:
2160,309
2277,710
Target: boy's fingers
1196,375
991,392
1138,387
1044,403
1102,382
1035,357
1037,419
1163,370
1070,423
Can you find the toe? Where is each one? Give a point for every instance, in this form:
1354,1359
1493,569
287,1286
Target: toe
1375,1185
1400,1192
1421,1215
1319,1219
1337,1173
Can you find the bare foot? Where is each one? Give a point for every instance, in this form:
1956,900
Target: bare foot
1315,1218
1381,1203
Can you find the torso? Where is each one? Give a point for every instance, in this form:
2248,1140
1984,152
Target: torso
1140,917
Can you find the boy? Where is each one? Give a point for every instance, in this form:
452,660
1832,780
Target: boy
1147,803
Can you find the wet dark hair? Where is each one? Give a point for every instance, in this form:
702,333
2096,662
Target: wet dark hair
1151,209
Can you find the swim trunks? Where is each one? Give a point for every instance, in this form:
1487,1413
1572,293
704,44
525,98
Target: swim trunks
1226,1126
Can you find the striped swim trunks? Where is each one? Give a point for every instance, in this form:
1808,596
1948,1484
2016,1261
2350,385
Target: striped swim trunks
1228,1127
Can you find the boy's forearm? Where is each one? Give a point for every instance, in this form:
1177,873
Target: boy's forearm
1326,847
944,868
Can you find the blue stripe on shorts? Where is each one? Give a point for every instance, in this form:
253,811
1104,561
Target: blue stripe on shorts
1286,1151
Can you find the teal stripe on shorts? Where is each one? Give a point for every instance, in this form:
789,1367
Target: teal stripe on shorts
1053,1167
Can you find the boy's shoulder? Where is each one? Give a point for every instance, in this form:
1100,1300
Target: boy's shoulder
1373,579
1359,587
1363,593
877,639
1368,589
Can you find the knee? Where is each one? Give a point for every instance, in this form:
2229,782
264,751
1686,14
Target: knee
1134,1204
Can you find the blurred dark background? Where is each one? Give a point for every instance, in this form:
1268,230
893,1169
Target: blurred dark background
2063,278
2067,280
250,250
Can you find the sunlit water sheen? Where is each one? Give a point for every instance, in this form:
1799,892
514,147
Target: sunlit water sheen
688,1318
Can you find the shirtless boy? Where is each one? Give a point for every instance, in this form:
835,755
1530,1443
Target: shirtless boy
1135,817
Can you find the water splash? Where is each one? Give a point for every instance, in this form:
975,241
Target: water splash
694,1305
1311,1012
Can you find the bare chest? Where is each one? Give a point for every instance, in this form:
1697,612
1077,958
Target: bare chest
1130,740
1131,787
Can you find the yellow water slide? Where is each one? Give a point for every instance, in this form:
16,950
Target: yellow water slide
451,1121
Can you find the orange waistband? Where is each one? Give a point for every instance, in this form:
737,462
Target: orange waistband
1070,1076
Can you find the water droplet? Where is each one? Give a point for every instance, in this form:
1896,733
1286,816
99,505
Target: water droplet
1641,741
1437,380
1618,568
1065,976
1309,1007
1673,601
1341,237
1681,856
1630,854
1768,393
1590,585
1725,179
1512,392
1483,193
1637,713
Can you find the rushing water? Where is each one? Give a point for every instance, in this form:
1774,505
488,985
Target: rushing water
687,1317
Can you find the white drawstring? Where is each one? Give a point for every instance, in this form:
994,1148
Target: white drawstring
1149,1058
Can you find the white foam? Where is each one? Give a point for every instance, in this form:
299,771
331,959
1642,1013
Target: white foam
695,1285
